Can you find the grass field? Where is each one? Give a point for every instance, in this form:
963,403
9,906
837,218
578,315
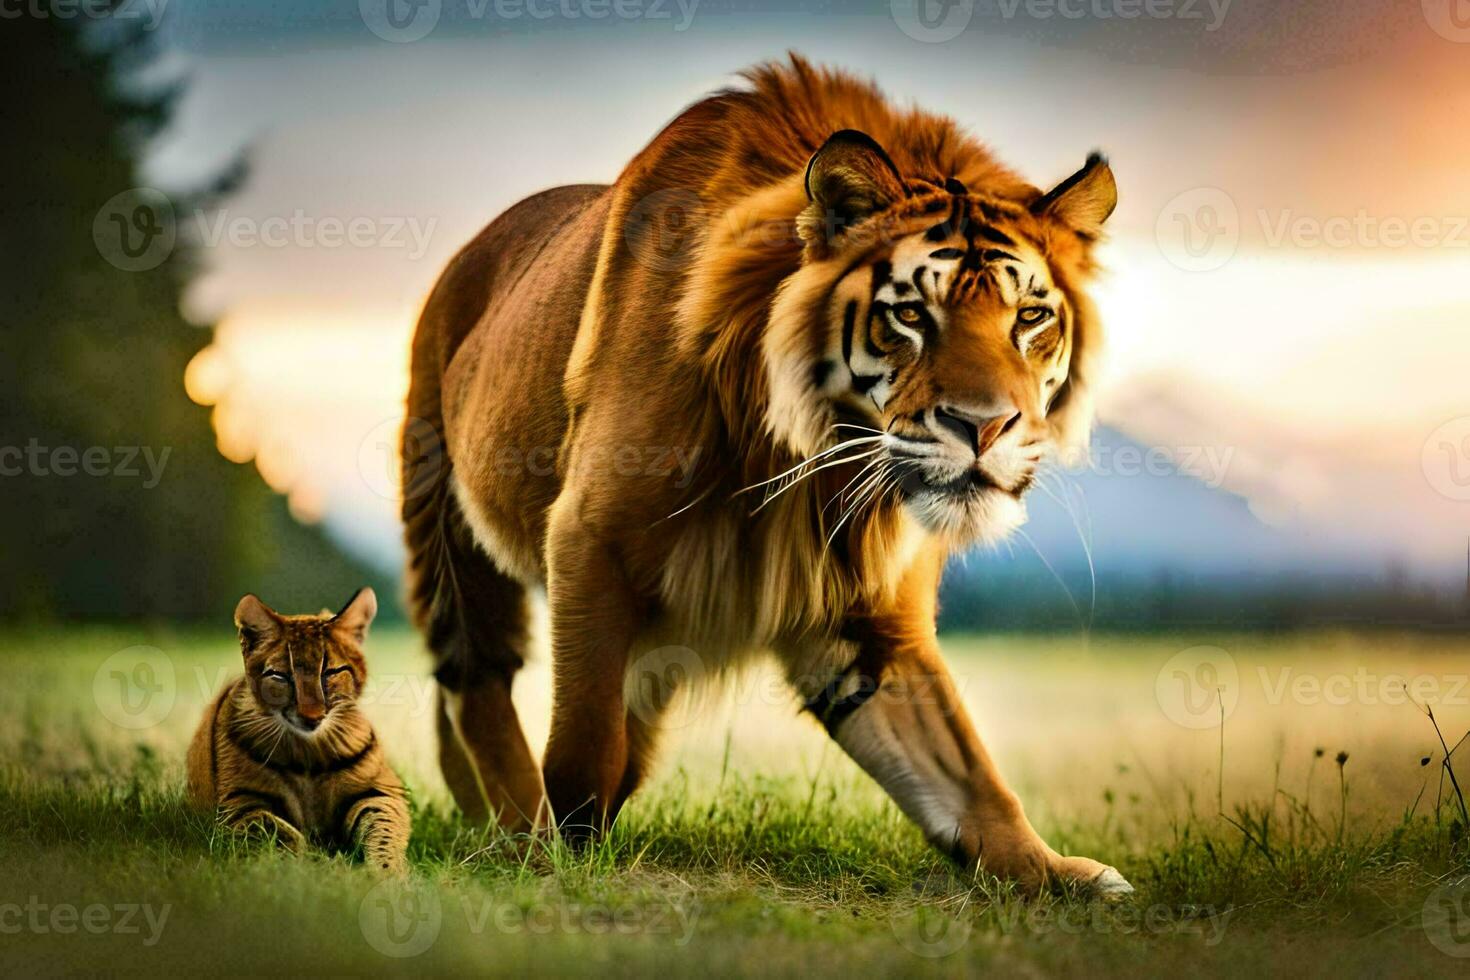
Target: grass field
759,849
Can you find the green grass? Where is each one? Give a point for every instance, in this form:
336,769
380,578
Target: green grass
746,859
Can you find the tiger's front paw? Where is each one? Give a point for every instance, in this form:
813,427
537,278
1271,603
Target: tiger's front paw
1014,852
1092,879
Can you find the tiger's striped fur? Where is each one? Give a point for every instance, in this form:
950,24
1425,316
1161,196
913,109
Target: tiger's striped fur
285,749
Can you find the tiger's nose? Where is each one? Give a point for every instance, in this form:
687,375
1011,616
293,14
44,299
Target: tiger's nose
979,430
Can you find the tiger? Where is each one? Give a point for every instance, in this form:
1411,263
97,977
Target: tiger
864,330
285,750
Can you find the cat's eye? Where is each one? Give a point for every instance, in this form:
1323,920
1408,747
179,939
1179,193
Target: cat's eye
1033,315
275,675
908,314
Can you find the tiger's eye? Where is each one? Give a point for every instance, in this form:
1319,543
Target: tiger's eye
1033,315
909,315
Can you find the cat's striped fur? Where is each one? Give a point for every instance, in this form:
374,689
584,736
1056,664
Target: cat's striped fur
284,748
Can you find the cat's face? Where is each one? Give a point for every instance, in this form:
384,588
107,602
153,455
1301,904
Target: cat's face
302,669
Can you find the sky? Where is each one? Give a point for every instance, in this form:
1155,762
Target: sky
1288,274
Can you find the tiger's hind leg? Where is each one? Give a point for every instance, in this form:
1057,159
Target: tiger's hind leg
475,619
484,726
456,765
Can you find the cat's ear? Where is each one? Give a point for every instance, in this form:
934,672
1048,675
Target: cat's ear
355,617
256,622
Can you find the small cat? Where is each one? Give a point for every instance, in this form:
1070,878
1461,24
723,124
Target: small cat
285,748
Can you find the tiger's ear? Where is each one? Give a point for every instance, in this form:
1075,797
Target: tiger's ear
1084,200
848,179
355,617
256,622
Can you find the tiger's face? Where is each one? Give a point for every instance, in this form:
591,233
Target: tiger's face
946,335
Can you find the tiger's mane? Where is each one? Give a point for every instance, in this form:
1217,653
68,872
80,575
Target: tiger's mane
733,165
737,159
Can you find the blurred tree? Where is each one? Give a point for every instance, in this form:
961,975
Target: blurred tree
92,355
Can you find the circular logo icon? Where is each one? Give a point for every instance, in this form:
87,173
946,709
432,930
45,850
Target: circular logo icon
135,688
400,918
1447,919
1198,230
1446,459
658,686
135,230
1195,684
400,21
400,459
1450,19
932,21
662,228
930,933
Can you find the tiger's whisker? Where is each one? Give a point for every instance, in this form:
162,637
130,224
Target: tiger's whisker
813,472
810,460
860,474
860,497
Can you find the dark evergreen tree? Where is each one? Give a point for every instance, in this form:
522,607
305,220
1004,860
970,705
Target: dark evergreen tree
92,354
